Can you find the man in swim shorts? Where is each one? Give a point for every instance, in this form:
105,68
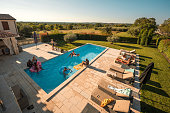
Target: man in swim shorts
73,53
65,69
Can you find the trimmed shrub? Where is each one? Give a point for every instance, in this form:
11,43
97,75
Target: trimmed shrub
70,37
164,46
113,38
91,37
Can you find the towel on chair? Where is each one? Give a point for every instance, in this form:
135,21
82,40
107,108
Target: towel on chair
123,91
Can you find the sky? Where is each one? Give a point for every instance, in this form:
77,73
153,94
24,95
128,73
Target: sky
106,11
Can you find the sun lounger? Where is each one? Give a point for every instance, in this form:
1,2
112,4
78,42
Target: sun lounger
103,85
120,74
131,62
132,52
117,105
144,77
115,74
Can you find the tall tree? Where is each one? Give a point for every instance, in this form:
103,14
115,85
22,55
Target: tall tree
144,29
165,27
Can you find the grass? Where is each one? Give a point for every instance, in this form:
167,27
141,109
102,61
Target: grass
155,94
124,34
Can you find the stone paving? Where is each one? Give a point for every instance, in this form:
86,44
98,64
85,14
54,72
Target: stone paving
72,98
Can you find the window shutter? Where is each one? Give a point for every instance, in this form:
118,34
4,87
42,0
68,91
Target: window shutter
5,25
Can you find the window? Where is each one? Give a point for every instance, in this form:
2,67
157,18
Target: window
5,25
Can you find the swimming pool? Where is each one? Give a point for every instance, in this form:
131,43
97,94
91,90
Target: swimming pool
51,77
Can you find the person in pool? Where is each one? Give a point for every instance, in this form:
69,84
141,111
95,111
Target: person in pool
34,60
74,54
65,69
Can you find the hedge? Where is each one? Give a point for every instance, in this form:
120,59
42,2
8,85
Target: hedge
164,47
55,37
58,37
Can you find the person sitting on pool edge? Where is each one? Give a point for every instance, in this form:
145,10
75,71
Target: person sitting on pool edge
65,69
86,63
74,54
29,64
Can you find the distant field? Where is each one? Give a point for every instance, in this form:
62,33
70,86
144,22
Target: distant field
89,31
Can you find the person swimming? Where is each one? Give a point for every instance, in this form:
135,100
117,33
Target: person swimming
65,69
73,54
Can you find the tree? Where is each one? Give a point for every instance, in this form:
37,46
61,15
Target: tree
51,27
25,31
47,27
113,38
165,27
41,26
69,38
144,29
143,38
60,27
69,26
98,25
107,30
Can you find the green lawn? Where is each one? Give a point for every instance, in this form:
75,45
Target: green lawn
155,94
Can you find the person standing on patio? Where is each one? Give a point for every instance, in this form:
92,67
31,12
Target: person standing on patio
52,42
35,38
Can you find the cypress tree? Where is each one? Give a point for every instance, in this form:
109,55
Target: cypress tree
144,36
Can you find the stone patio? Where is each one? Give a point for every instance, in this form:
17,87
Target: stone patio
70,99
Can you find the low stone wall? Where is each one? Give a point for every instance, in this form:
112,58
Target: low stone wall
26,41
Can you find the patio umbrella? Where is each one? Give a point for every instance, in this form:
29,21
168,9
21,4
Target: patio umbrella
35,38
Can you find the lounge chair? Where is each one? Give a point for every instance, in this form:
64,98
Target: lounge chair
132,51
117,105
121,73
20,96
142,79
130,60
103,85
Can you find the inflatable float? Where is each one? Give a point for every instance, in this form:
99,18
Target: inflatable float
32,69
79,66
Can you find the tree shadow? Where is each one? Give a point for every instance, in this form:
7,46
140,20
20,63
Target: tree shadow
145,57
142,68
127,46
60,43
150,109
152,46
155,90
141,59
153,83
77,44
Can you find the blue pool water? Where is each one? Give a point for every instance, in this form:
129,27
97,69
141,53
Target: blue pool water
51,77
